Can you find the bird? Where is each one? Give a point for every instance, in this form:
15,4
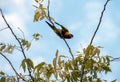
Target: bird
63,33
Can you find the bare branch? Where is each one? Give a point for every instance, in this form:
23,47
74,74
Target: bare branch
48,9
12,66
21,32
100,20
18,42
70,51
115,59
3,29
98,26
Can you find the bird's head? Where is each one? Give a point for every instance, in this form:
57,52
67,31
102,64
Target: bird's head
70,36
67,35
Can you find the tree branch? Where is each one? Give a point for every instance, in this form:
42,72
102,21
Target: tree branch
18,42
12,66
100,20
115,59
98,26
49,17
70,51
3,29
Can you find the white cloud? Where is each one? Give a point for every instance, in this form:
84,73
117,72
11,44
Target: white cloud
16,21
18,1
93,10
4,66
37,60
93,5
16,16
74,25
107,29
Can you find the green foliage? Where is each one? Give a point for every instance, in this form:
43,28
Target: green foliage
40,13
6,78
25,43
36,36
6,48
86,67
2,73
27,63
23,65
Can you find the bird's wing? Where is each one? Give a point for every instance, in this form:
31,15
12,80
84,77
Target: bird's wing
57,31
52,26
63,28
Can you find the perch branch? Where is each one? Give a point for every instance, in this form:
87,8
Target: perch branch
49,18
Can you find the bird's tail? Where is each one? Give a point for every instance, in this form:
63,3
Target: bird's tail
52,26
63,28
57,31
58,24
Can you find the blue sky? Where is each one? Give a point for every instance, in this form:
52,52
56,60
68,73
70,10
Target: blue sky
80,17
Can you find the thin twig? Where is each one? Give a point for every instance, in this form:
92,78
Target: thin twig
115,59
21,32
12,66
3,29
69,48
49,17
18,42
100,20
98,26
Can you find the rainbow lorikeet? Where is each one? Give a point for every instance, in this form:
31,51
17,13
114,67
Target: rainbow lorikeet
62,33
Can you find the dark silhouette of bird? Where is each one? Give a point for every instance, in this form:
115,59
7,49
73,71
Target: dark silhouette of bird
62,33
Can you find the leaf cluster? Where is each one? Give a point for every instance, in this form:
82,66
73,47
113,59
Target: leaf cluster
85,67
7,48
40,12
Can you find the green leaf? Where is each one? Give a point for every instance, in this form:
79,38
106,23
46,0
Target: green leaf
96,65
60,75
56,75
9,48
56,54
23,65
2,48
2,73
36,1
36,36
114,80
40,13
28,46
3,79
49,71
108,59
40,65
55,62
98,80
30,63
88,50
66,66
36,16
59,62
